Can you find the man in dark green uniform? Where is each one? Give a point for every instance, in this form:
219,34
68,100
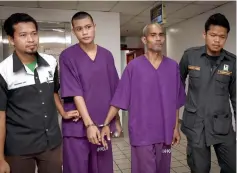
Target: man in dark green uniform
207,118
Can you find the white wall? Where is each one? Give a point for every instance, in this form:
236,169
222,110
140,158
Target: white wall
107,25
189,33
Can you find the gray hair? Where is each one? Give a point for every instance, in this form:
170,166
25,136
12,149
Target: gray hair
145,29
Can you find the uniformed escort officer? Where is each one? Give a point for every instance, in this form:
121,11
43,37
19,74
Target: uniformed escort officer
29,129
207,118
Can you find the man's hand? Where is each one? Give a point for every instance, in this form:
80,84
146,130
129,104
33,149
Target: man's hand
105,132
176,137
72,114
93,135
4,167
119,129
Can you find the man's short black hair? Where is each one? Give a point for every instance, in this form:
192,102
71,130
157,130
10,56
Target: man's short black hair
219,20
81,15
15,19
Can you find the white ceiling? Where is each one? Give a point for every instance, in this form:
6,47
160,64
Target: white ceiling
134,15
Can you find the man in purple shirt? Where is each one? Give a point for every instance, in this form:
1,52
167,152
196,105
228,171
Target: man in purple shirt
151,90
88,82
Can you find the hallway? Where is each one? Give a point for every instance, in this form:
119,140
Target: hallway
122,157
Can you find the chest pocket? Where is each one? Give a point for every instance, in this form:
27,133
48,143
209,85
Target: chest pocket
194,79
221,84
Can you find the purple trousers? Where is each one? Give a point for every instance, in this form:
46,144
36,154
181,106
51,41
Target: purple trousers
151,159
80,156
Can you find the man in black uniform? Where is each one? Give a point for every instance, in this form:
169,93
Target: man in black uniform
207,118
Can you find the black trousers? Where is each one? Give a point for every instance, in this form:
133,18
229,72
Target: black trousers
199,159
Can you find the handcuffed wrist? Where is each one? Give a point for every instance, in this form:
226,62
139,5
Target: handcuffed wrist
90,125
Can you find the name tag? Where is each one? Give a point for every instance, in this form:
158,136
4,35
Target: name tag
191,67
20,83
222,72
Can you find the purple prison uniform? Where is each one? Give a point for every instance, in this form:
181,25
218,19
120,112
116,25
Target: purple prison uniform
152,97
76,160
154,158
96,82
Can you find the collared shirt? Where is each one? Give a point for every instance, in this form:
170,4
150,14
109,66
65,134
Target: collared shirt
152,97
28,99
209,90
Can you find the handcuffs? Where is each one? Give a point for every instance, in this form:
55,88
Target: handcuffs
101,126
97,125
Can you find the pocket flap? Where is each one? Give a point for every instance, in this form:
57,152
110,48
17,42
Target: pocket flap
223,78
222,115
191,109
194,73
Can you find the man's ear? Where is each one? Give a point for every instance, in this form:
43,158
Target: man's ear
144,40
204,35
11,41
73,31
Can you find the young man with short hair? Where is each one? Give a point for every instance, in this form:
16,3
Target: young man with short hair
207,118
88,80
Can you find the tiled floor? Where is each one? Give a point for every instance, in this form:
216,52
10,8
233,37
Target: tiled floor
122,157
